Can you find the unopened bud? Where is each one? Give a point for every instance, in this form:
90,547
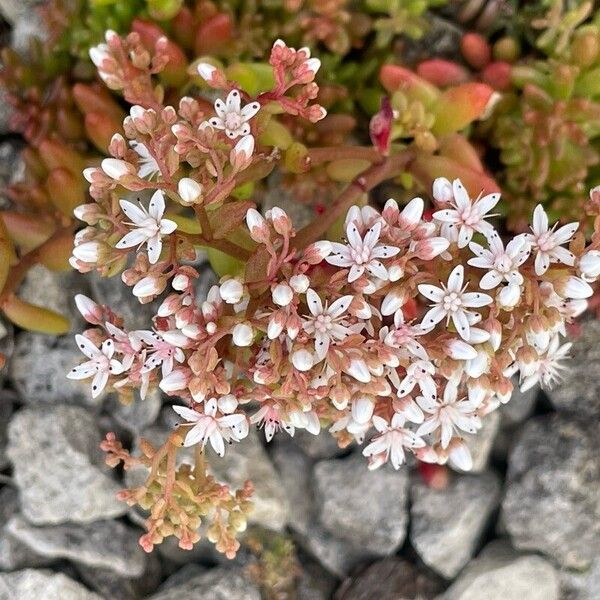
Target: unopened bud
282,294
302,360
231,291
243,335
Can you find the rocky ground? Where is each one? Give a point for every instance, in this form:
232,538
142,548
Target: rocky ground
525,525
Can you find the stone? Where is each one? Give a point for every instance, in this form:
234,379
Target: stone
500,573
29,584
520,406
319,446
392,578
579,390
109,545
27,28
249,460
314,582
137,415
11,10
216,584
7,346
59,468
6,410
114,293
576,585
38,371
481,444
337,555
447,525
55,291
277,194
552,499
367,508
12,166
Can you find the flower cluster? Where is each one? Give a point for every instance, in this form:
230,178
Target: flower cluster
401,334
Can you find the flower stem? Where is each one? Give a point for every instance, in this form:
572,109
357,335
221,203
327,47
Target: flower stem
365,182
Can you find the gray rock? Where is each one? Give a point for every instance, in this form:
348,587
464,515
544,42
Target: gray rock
27,28
207,279
314,582
499,573
552,501
114,293
139,414
13,554
581,585
248,460
367,508
12,166
317,447
481,444
181,576
58,467
285,198
7,345
55,291
11,10
446,525
107,545
579,390
6,409
216,584
520,406
30,584
337,555
38,370
392,578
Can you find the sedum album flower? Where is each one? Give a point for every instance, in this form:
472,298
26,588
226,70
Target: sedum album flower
100,365
547,243
149,225
547,367
148,167
325,323
208,427
231,117
451,302
389,445
362,253
466,218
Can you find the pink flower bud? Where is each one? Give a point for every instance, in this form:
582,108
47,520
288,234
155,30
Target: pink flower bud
576,288
459,455
89,212
393,301
380,127
299,283
117,169
411,215
282,294
359,370
189,190
281,222
459,350
243,335
391,211
89,310
302,360
89,252
430,248
227,404
241,154
276,324
259,230
180,282
148,286
231,291
315,253
175,381
589,265
442,190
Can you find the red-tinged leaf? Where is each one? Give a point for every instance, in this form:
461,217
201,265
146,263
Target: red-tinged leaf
380,127
395,77
427,168
57,253
460,106
214,34
34,318
456,146
228,217
26,232
442,73
256,267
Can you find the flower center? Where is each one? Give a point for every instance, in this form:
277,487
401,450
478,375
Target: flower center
361,255
452,302
232,121
323,323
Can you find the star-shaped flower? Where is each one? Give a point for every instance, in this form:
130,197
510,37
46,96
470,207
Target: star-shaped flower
362,254
451,302
149,225
100,365
148,167
466,217
231,117
548,242
324,323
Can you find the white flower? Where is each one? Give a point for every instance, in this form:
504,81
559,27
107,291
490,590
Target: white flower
501,264
231,117
100,365
418,373
466,216
325,323
270,417
451,413
547,368
393,438
403,335
589,265
149,226
361,253
451,302
164,349
148,167
209,427
548,242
